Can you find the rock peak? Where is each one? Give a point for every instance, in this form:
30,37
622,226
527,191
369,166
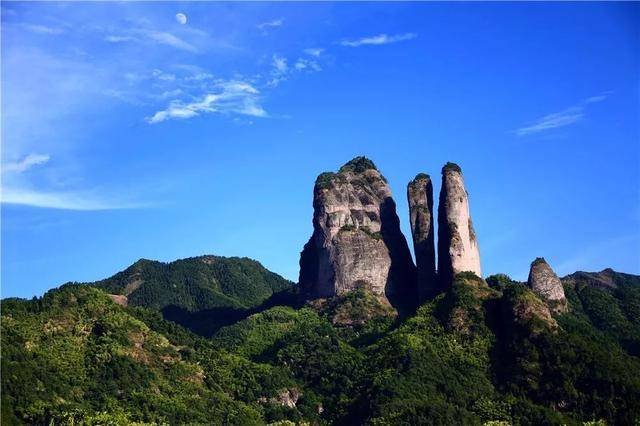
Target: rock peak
458,249
451,167
356,241
544,282
358,165
420,198
538,261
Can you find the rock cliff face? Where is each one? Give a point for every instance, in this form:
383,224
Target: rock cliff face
543,281
420,197
457,244
356,240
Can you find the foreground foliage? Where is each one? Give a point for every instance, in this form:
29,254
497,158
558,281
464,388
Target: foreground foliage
476,354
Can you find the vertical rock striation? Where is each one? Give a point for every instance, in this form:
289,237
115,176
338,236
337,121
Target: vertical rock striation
420,197
356,239
457,244
544,282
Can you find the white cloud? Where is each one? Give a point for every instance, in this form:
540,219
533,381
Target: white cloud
161,75
26,163
566,117
378,40
280,64
598,98
119,39
302,64
552,121
160,37
314,51
234,97
279,70
170,40
43,29
271,24
200,77
60,200
170,94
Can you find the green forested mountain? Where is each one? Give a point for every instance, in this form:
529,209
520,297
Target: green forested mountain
74,356
202,293
196,283
476,354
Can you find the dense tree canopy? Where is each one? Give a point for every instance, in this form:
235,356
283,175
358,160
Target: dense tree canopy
475,354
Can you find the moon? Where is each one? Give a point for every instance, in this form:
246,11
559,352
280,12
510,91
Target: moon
181,18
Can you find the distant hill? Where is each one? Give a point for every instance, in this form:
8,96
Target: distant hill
196,283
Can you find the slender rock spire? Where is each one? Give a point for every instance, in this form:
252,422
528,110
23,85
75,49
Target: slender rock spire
420,197
457,243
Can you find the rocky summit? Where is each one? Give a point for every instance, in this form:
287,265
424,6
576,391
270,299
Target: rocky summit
457,243
543,281
356,241
420,198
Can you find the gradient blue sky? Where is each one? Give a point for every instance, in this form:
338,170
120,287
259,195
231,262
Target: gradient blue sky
128,133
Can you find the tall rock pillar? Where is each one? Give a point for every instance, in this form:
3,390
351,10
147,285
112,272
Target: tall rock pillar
356,239
457,243
420,197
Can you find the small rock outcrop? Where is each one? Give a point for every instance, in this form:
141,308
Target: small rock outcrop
546,284
457,243
420,197
119,299
356,241
521,307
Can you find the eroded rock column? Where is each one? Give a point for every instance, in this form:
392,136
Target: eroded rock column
420,197
457,242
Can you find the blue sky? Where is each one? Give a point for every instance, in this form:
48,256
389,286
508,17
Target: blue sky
168,130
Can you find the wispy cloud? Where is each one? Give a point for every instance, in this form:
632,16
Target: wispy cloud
279,70
280,64
119,39
161,75
314,51
234,97
598,98
43,29
140,35
61,200
26,163
553,121
566,117
303,64
170,40
378,40
271,24
16,190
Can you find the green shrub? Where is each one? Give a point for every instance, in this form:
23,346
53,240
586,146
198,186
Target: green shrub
358,165
451,167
